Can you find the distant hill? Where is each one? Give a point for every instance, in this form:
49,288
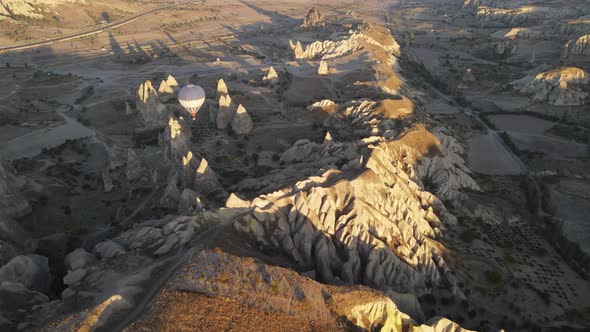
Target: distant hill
30,9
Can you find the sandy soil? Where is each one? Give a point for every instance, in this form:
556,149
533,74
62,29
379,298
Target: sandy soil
183,311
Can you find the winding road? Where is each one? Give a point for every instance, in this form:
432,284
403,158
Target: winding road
94,31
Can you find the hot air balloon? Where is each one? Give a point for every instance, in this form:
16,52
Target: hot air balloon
191,97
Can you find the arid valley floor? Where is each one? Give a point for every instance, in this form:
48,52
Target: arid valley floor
403,165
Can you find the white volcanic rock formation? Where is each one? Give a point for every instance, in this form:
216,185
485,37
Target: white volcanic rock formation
189,179
152,113
359,211
313,19
326,49
226,112
298,52
323,69
206,182
324,105
12,203
581,46
176,139
172,83
271,77
35,9
561,87
242,122
165,92
328,217
346,44
221,88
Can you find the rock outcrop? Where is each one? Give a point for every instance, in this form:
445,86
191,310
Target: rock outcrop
323,68
221,88
242,122
189,202
346,43
310,224
313,19
176,139
505,47
566,86
12,203
165,92
467,80
14,239
327,49
206,182
151,112
171,196
271,77
136,170
32,271
581,46
79,259
226,112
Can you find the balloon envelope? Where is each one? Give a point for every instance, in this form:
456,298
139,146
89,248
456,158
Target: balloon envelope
191,97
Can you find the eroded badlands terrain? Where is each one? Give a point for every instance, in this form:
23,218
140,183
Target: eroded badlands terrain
358,165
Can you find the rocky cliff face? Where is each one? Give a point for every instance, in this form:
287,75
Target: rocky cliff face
36,9
581,46
152,113
561,87
360,212
346,44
